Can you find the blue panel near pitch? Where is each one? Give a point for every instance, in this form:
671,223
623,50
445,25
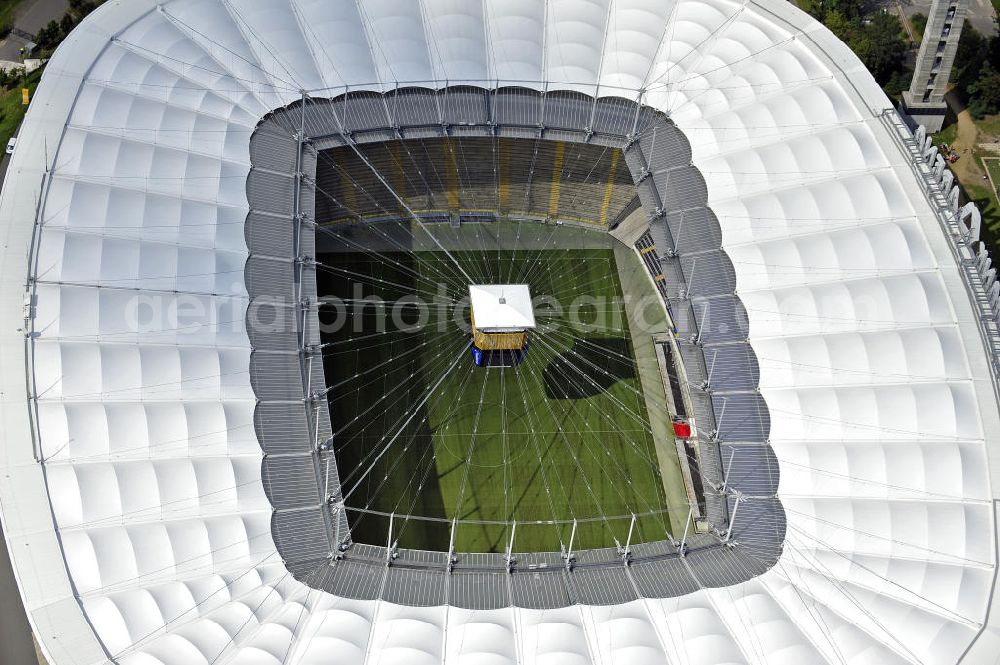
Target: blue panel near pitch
498,358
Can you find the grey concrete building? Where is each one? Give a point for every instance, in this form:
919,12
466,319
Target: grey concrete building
924,101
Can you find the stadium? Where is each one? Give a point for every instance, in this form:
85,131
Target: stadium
578,331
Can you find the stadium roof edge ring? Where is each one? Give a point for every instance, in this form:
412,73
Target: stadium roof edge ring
671,191
133,496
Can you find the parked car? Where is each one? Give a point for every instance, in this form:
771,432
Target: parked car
10,145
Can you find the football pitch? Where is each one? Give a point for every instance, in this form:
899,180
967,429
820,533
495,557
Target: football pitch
420,431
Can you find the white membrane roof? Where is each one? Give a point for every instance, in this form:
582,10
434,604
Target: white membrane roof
144,538
501,307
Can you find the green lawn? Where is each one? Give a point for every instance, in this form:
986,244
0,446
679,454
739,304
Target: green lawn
564,435
946,135
989,125
987,203
12,110
992,165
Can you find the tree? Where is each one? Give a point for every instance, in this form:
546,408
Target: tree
897,83
48,36
67,23
984,93
849,9
974,72
919,23
82,7
880,45
969,57
838,24
11,78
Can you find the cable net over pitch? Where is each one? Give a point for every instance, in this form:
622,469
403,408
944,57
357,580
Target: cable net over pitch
432,453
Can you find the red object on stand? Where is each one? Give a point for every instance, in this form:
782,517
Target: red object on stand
682,430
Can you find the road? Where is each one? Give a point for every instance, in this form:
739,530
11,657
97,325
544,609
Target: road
981,15
32,15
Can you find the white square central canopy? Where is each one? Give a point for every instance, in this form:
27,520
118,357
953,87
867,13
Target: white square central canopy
501,307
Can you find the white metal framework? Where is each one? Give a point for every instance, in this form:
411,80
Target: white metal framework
144,536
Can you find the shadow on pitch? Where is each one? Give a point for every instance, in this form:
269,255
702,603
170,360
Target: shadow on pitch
589,368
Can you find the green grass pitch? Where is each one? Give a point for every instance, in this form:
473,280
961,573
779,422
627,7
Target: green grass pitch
564,435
